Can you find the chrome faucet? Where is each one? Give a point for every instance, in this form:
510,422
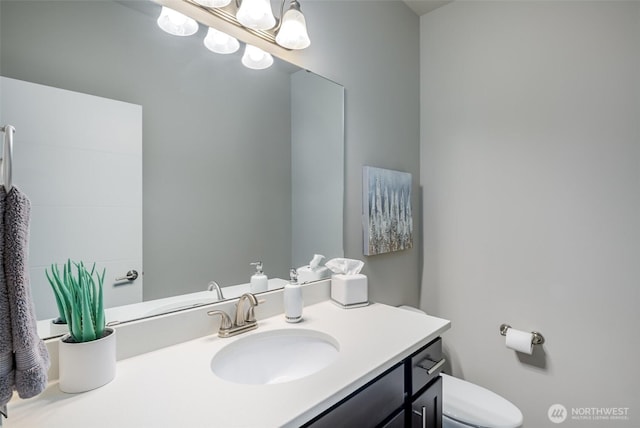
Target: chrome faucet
245,319
246,316
214,286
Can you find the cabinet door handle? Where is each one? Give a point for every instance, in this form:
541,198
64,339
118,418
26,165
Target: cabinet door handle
422,415
430,369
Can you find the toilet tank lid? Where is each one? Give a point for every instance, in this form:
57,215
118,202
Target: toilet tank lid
474,405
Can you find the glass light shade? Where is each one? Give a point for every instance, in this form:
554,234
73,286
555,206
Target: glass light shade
256,14
256,59
219,42
293,32
173,22
213,3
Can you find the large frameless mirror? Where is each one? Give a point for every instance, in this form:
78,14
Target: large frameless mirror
149,153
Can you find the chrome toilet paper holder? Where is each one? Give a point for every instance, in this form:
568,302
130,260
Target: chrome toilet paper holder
537,339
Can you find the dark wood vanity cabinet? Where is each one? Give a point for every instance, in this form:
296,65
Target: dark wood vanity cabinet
407,395
426,387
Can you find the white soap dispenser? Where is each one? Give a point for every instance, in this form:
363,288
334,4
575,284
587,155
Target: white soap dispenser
259,281
293,298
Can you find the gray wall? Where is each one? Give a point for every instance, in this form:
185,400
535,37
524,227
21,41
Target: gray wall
530,162
372,48
216,186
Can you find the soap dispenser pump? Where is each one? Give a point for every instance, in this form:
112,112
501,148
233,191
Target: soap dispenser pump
293,298
259,281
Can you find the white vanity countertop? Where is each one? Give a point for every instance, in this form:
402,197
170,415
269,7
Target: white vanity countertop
175,387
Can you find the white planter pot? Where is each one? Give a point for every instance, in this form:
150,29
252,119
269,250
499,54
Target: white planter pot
87,365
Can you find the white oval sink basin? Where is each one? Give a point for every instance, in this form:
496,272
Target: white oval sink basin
275,356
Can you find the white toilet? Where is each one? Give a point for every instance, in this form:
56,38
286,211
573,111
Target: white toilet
466,405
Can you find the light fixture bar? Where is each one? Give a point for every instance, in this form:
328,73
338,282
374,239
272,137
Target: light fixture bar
228,14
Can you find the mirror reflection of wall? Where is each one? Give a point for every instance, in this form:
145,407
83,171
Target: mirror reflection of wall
217,159
317,166
78,158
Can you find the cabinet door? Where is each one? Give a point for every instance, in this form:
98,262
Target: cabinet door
368,407
427,408
396,422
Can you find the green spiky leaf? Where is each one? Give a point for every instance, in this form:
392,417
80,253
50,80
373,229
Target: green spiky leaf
56,284
80,299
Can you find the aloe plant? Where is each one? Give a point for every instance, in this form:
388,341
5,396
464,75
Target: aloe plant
80,299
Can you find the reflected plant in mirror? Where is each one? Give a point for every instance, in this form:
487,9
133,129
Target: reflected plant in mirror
191,165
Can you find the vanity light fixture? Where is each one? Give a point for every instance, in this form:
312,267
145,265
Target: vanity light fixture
255,58
293,29
256,17
213,3
256,14
219,42
174,22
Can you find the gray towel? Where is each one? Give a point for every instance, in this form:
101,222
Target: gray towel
31,358
6,338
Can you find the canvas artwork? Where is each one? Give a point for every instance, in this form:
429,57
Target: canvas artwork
387,218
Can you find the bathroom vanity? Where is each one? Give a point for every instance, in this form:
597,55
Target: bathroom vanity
409,394
386,367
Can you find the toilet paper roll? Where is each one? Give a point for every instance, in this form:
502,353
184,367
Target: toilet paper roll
520,341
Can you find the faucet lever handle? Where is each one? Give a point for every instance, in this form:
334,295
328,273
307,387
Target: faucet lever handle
225,323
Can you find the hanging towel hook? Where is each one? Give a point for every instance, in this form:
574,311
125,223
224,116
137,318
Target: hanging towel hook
7,156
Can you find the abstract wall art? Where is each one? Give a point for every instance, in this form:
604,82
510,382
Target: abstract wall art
386,204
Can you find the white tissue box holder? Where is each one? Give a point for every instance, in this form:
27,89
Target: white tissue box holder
349,291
